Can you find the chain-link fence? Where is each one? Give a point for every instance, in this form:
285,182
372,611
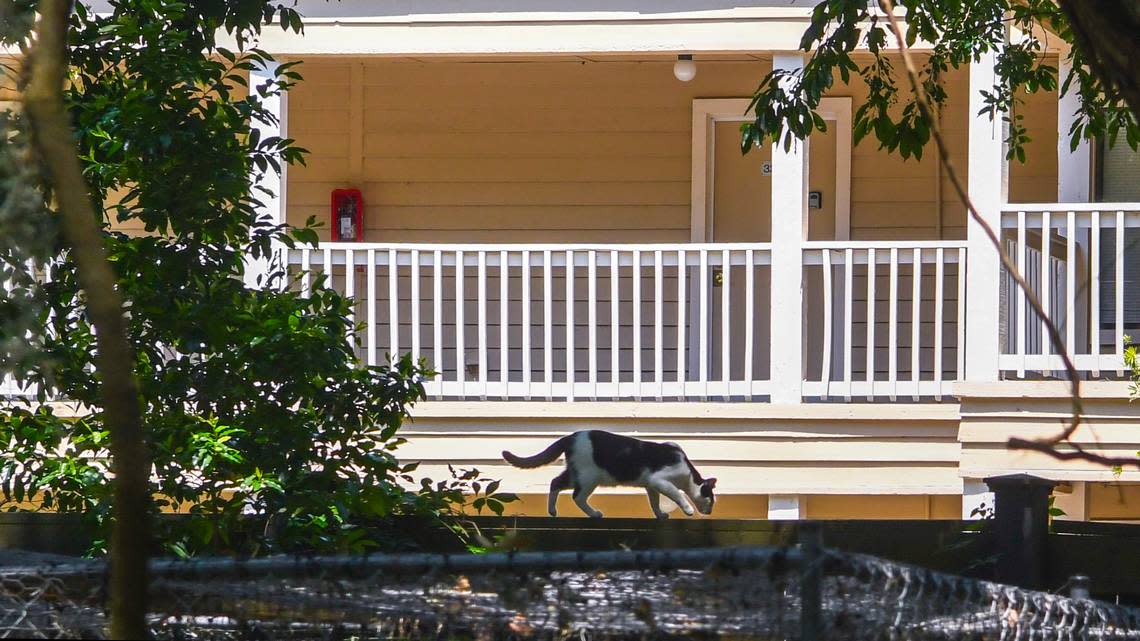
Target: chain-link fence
737,593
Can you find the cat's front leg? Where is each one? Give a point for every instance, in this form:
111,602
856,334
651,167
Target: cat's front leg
668,489
655,503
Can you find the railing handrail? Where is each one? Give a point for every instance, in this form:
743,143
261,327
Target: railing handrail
533,247
1067,207
884,244
380,254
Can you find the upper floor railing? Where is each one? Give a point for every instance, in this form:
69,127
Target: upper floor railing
561,322
1083,263
881,320
654,322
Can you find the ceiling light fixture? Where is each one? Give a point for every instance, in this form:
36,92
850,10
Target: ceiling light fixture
684,69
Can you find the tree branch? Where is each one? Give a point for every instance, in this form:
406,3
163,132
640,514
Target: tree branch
53,139
1054,334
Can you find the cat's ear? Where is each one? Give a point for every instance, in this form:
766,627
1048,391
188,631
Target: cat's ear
711,483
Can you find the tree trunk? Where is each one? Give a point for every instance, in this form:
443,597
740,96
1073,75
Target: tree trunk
1107,32
130,460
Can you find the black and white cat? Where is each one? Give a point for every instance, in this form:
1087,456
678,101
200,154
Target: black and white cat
595,458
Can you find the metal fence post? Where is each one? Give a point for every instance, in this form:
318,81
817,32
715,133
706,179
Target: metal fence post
811,573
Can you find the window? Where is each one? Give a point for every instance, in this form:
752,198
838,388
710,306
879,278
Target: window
1117,172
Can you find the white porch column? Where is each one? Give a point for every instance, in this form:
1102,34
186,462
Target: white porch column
986,189
975,494
789,220
1073,165
1074,185
785,507
272,206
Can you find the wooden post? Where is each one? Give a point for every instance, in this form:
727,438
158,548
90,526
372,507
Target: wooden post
789,216
985,185
1021,529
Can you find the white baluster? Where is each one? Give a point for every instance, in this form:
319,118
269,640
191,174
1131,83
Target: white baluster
592,319
749,318
658,326
569,325
1071,283
1119,265
350,294
916,322
939,275
615,324
460,358
848,298
371,275
547,332
682,320
871,268
1046,281
504,321
828,295
893,326
526,377
637,324
437,317
725,321
1094,293
393,306
306,273
1018,296
703,365
481,333
416,306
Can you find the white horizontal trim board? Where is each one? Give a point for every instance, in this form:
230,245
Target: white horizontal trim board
872,415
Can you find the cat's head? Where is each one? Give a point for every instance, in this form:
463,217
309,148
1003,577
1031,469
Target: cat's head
705,499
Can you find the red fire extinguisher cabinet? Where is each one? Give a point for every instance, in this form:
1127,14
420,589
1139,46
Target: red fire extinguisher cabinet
347,213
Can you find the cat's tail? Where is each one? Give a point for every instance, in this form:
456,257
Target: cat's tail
556,449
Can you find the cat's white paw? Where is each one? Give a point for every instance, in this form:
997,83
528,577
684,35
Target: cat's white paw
688,510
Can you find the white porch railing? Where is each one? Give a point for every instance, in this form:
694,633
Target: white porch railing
888,317
561,321
1083,262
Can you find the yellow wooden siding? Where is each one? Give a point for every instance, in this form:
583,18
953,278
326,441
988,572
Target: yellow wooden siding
883,506
555,149
755,506
1114,501
1035,180
738,506
507,152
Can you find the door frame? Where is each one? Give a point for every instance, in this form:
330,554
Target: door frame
709,111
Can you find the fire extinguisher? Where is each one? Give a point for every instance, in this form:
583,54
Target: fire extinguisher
347,215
